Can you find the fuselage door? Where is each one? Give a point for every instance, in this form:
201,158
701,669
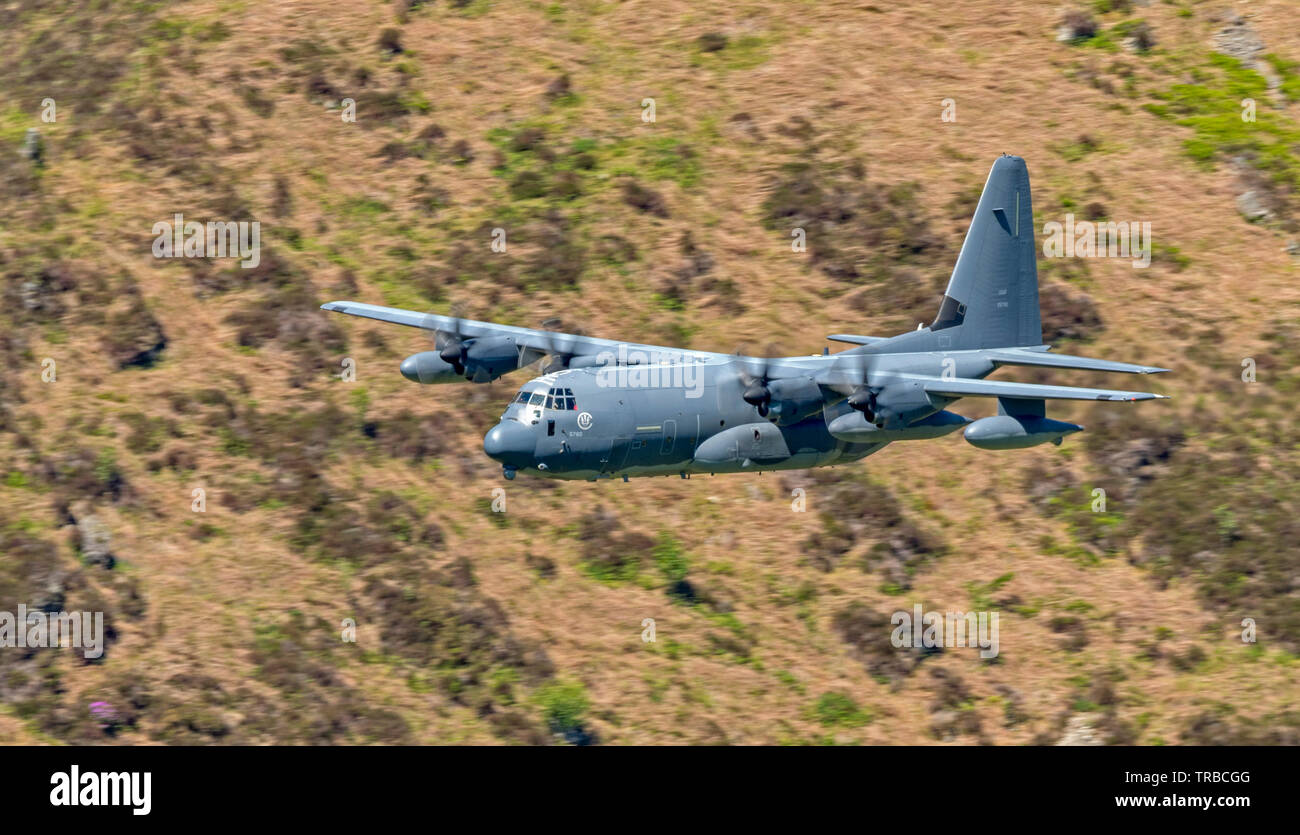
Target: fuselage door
670,437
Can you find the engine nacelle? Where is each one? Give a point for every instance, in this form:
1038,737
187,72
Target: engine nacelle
794,399
488,358
1008,432
903,402
853,426
428,367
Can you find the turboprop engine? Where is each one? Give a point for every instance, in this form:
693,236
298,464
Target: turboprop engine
428,367
1017,432
481,360
793,399
895,404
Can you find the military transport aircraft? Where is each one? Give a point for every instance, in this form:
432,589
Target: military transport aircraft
604,408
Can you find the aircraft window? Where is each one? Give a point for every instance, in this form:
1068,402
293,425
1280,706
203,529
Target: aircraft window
951,314
560,400
537,399
522,398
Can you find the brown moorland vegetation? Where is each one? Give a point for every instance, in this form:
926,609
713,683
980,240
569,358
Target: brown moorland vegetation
370,502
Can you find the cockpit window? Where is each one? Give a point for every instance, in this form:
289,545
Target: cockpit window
537,399
523,397
561,400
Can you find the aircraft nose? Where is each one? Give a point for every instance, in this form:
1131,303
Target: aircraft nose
510,442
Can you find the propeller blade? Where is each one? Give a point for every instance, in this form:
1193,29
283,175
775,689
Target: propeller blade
449,345
558,349
757,395
853,375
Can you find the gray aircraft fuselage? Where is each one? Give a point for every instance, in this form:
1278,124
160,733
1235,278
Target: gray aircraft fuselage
657,420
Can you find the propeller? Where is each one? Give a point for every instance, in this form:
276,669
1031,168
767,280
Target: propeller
863,399
753,374
451,346
852,376
556,351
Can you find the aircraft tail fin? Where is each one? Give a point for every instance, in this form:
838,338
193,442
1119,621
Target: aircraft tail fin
992,297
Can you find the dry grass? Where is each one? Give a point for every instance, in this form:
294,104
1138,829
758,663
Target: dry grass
870,80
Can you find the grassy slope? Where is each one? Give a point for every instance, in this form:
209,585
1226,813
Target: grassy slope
752,665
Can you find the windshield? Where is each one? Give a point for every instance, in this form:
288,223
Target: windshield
562,400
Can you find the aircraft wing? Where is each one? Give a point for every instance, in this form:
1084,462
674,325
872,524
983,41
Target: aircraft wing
961,387
1046,360
540,341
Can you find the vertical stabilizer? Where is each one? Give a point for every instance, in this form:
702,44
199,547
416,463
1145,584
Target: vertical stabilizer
992,297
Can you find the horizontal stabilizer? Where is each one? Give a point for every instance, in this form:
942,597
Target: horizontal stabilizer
854,339
960,387
1046,360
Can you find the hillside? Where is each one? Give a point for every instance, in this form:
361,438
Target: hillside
370,500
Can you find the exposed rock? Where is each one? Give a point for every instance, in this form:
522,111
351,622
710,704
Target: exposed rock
947,725
1077,25
1141,38
1079,731
92,537
1239,40
1252,207
33,148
